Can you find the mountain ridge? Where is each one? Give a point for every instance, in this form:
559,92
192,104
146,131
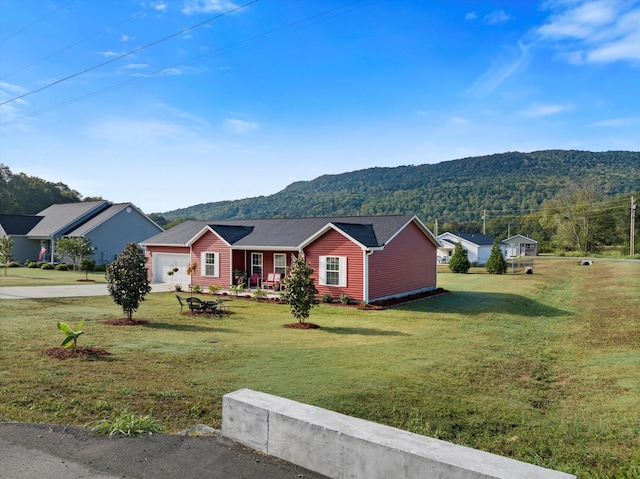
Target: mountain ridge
513,183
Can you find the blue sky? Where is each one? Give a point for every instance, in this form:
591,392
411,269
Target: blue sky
281,90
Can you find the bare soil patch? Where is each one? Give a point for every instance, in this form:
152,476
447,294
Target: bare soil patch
301,326
79,352
126,322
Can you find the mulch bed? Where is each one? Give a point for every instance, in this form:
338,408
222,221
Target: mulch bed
301,326
126,322
79,352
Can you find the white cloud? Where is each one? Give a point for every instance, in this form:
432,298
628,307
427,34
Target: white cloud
498,73
207,6
538,111
126,38
498,16
593,31
108,53
160,6
471,16
615,122
241,127
136,66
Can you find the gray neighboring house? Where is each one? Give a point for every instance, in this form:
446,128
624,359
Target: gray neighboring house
478,246
110,227
519,245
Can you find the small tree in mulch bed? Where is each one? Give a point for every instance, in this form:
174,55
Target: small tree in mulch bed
300,293
127,279
69,347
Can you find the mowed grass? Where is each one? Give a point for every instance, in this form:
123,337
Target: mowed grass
543,368
40,277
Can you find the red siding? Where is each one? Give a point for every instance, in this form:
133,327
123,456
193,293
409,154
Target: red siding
333,243
211,243
407,264
149,250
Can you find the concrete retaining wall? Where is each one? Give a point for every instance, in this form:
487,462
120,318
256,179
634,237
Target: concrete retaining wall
340,446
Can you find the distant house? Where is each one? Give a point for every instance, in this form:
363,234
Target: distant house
367,258
109,227
478,246
519,245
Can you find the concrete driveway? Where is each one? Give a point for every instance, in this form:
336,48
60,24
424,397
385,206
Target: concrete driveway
65,291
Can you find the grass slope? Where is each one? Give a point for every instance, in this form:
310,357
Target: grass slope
542,368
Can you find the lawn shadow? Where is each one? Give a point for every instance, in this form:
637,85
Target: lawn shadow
181,327
363,331
472,302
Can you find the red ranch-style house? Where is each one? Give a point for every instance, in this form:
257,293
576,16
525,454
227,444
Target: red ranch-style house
368,258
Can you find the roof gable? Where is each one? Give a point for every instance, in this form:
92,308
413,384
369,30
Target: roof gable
61,219
104,215
521,237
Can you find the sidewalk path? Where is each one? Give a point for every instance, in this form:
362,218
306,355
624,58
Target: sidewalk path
65,291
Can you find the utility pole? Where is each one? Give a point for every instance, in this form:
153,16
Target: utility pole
632,245
484,222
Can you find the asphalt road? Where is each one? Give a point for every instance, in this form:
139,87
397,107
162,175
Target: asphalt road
34,451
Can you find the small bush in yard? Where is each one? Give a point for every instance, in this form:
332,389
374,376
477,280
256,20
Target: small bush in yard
61,267
345,299
46,266
326,298
32,264
14,264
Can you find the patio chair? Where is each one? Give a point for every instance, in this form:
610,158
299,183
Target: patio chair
273,280
196,306
268,283
181,303
254,280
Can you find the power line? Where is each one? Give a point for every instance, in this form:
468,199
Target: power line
36,21
142,12
128,53
319,17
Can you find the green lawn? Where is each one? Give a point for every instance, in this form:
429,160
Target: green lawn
41,277
543,368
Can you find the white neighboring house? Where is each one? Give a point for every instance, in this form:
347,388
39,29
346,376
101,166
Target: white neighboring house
519,245
478,246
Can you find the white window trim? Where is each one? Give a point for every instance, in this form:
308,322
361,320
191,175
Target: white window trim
261,264
342,264
216,264
285,262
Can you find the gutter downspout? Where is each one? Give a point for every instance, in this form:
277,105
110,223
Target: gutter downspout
365,272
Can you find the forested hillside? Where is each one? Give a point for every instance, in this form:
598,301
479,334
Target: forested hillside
507,184
23,194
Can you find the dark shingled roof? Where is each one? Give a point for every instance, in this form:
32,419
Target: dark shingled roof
370,231
477,238
18,224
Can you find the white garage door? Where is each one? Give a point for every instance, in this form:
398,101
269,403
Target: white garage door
165,262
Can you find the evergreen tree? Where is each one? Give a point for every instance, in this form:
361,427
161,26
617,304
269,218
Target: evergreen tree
300,289
496,263
127,279
459,262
